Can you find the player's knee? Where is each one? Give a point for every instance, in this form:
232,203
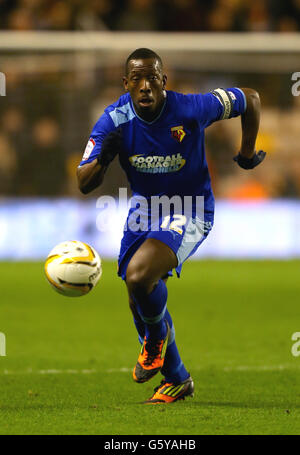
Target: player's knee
139,281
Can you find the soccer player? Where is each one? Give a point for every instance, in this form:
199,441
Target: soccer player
159,137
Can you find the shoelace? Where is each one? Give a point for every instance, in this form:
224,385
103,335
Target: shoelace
152,351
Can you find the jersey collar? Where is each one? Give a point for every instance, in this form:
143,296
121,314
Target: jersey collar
156,118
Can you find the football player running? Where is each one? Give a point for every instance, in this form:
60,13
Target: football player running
159,137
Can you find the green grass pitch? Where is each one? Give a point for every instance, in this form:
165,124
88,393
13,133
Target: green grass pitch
69,361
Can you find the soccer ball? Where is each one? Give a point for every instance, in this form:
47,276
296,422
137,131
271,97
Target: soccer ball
73,268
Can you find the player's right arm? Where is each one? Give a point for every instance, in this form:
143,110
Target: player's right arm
104,144
90,176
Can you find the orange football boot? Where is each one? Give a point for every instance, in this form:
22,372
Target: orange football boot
151,358
168,392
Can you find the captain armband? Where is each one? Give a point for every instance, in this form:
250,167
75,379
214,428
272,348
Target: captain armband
225,98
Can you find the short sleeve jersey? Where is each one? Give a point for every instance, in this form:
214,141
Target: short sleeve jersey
165,156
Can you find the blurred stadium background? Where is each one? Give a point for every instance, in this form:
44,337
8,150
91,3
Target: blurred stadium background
63,62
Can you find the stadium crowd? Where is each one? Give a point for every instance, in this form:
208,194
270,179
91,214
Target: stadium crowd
46,118
142,15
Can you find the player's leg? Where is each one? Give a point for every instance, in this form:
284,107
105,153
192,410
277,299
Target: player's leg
148,291
143,279
156,314
138,322
175,386
173,369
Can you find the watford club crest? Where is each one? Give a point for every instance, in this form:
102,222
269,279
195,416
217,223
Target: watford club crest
178,133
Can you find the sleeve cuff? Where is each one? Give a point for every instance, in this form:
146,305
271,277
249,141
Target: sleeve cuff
244,98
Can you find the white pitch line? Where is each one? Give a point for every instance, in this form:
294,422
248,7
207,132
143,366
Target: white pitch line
225,369
50,371
119,370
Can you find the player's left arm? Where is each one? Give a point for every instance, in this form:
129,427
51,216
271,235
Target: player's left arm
247,158
226,103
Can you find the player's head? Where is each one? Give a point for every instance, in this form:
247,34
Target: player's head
145,81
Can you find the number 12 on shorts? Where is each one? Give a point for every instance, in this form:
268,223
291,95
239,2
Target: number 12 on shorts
175,225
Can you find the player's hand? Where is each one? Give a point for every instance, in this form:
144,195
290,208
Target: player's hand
250,163
111,146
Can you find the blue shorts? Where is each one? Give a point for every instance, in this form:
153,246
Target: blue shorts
184,241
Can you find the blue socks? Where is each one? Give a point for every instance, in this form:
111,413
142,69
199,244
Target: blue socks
153,312
173,369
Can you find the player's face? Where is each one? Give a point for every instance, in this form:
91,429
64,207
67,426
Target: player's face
145,82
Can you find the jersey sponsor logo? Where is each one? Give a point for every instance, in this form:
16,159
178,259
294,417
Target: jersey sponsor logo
156,164
178,133
88,149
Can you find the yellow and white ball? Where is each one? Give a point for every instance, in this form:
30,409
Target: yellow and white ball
73,268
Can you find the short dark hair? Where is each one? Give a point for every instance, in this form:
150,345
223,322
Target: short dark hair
142,53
